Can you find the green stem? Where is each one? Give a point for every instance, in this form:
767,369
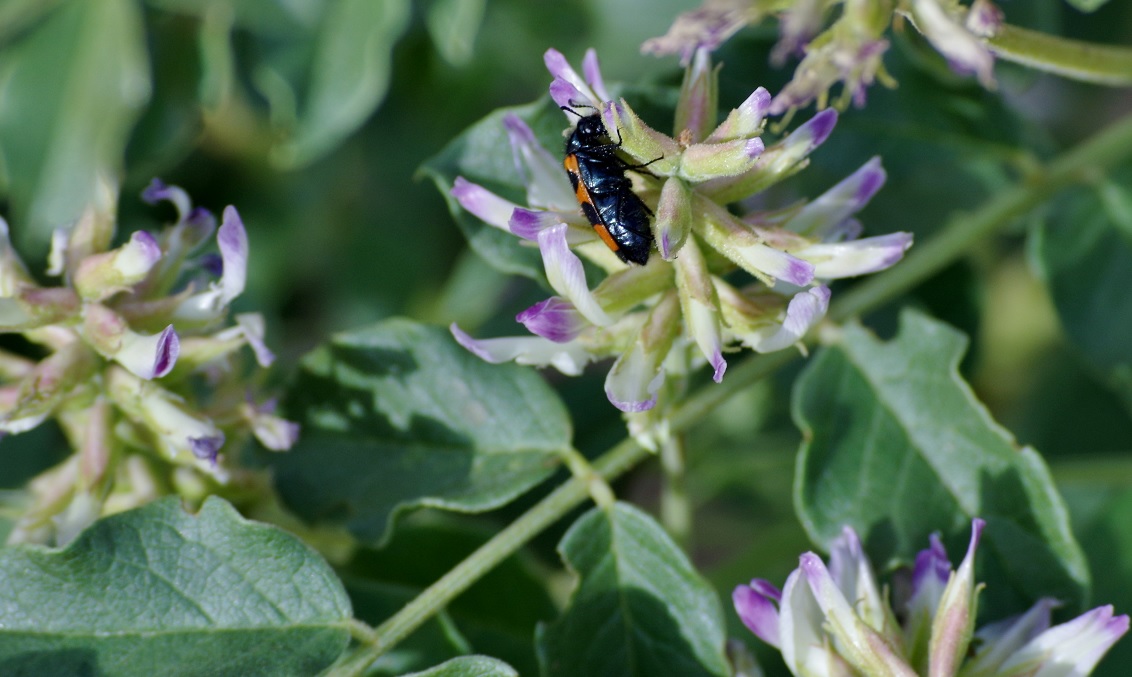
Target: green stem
962,232
675,507
1086,61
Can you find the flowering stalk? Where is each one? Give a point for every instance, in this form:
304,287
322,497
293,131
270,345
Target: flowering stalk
849,51
662,319
142,370
833,620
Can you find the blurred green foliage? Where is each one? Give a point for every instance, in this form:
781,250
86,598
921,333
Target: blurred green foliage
313,118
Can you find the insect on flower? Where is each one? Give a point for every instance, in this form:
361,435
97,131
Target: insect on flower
597,174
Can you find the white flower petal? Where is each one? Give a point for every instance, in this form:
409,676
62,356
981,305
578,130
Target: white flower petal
566,275
569,358
835,260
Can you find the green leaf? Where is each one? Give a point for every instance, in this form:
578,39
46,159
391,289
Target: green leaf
482,155
1087,5
1084,252
155,590
639,608
348,78
469,666
72,89
897,446
398,415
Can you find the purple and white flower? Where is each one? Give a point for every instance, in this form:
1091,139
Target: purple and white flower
678,304
833,621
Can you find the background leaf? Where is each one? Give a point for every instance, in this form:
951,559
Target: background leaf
154,590
469,666
398,415
1084,252
897,446
639,608
349,76
65,113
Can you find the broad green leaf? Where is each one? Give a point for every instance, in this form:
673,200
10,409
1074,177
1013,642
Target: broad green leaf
154,590
348,78
897,446
639,607
70,91
398,415
469,666
1084,252
482,155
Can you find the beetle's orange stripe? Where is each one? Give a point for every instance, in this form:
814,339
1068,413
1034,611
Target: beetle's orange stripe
580,191
603,233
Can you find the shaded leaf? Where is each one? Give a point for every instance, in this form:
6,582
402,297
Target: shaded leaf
156,589
1087,5
65,113
348,77
897,446
1084,252
469,666
639,608
398,415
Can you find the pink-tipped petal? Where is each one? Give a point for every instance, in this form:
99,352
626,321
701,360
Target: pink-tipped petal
757,612
835,260
233,242
566,275
555,319
487,206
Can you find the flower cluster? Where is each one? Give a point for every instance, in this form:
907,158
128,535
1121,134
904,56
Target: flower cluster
849,50
684,303
140,365
833,620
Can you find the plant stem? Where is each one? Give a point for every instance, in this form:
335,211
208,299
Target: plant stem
675,507
1086,61
1089,159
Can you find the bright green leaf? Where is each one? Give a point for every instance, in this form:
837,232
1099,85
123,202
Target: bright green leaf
65,113
349,76
155,590
398,415
897,446
469,666
1084,251
639,608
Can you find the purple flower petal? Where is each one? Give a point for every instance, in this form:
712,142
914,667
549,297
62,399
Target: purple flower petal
252,327
758,613
560,69
931,570
488,207
528,223
157,190
998,641
568,358
555,319
835,260
591,69
805,310
206,448
168,349
547,184
1072,648
826,213
566,275
211,263
233,242
706,27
